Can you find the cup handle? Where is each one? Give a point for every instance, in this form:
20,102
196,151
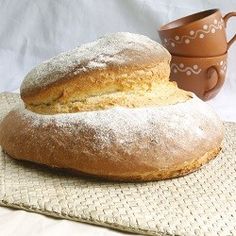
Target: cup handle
226,18
220,81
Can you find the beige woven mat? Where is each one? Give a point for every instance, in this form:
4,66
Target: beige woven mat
202,203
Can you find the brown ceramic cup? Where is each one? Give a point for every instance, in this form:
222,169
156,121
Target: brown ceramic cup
203,76
201,34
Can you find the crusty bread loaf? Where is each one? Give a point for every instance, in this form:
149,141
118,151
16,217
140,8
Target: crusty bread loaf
120,69
107,109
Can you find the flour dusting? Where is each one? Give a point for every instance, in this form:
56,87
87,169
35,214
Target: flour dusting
180,124
108,50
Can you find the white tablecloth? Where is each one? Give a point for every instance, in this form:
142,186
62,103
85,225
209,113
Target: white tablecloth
32,31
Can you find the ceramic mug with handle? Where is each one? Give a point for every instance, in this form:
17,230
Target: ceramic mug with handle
203,76
202,34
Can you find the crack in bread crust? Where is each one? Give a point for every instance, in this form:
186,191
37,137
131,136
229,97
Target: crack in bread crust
163,94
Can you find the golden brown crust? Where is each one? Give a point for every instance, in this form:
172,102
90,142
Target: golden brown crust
95,83
164,93
120,62
177,171
153,148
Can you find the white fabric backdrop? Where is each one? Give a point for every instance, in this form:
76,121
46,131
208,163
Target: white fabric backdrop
32,31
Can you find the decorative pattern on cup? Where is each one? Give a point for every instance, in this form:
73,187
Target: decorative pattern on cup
194,34
194,69
188,70
223,66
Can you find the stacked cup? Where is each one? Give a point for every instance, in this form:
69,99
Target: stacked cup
199,49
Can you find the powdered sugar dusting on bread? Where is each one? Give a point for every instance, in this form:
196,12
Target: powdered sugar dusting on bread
155,127
108,50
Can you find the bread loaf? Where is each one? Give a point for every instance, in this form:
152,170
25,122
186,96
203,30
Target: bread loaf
108,109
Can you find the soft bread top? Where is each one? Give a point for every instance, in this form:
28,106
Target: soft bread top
119,69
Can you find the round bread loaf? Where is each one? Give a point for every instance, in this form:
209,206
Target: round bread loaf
107,109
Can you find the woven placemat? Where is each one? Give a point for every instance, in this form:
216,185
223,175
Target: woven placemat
202,203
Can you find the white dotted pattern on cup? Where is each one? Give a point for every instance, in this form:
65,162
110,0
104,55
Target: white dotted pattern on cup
188,70
223,66
194,34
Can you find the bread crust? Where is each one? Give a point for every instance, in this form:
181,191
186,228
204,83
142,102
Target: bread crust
177,171
114,63
159,149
